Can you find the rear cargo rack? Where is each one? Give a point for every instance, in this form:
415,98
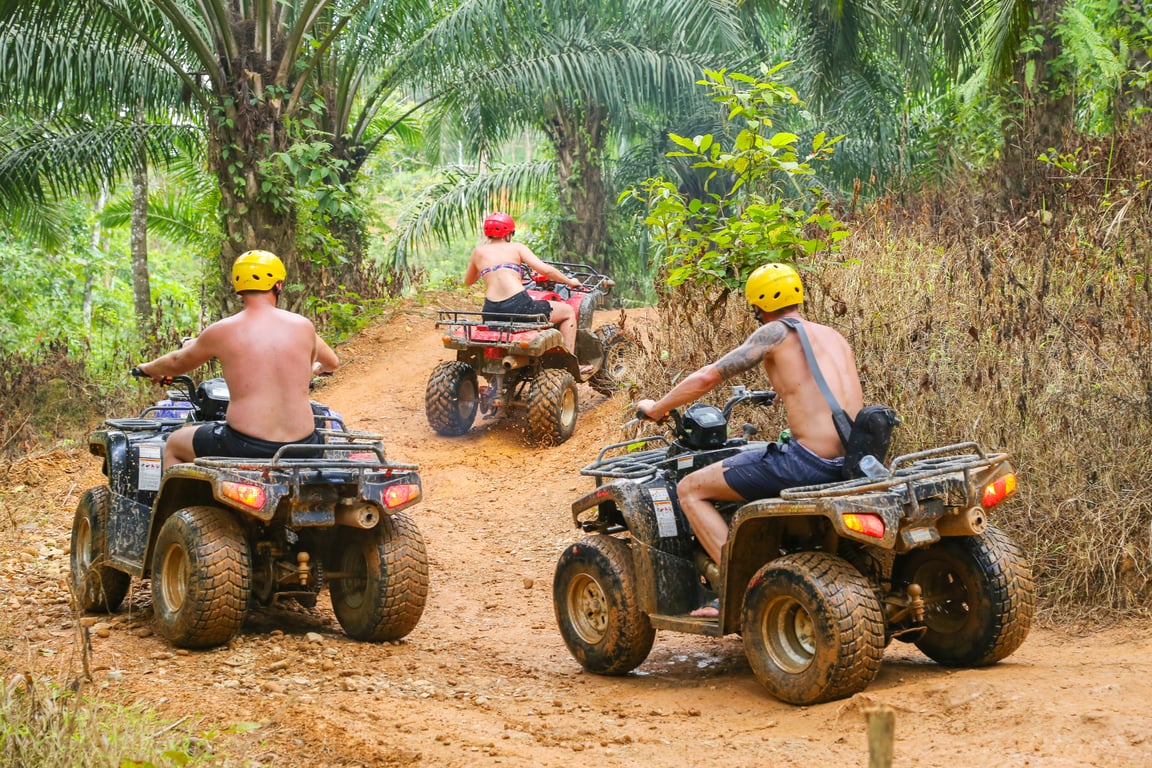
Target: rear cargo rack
317,455
905,470
504,326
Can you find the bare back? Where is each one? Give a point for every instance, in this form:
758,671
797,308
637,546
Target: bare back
266,354
500,282
779,350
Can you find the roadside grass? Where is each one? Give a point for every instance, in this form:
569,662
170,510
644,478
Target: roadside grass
47,726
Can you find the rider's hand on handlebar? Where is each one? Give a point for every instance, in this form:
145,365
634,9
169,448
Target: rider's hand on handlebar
644,411
140,373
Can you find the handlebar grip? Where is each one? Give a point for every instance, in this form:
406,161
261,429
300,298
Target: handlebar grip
641,416
139,374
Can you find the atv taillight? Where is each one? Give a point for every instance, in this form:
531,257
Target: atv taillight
248,495
998,490
493,353
398,495
869,525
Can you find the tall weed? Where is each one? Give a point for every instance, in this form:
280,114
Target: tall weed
1028,331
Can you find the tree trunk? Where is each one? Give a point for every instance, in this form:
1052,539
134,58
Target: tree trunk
578,137
1046,111
141,288
256,203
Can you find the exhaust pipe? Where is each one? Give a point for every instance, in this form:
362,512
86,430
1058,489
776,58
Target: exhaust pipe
362,515
967,522
514,361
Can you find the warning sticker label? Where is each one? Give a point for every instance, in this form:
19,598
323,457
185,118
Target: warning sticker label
150,466
665,515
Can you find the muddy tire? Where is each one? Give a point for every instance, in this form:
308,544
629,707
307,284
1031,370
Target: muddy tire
614,372
812,627
451,398
96,586
201,577
383,581
587,310
979,599
598,606
552,407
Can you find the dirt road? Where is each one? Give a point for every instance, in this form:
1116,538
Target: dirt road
485,680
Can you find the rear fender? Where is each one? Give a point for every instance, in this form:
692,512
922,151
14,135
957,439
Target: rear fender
763,530
624,502
188,485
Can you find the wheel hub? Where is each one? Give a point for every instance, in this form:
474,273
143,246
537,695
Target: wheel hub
589,608
790,634
174,578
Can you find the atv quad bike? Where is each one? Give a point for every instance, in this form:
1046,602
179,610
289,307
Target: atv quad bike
524,362
219,535
817,582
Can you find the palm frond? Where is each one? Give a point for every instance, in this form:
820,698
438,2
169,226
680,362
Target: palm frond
79,156
454,205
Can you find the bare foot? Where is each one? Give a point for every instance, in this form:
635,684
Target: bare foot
707,611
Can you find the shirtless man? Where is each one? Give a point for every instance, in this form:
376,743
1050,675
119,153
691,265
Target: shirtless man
500,261
814,453
268,356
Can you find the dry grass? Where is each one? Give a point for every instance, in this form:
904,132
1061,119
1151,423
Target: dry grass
1028,333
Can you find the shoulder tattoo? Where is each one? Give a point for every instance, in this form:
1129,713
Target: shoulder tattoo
753,351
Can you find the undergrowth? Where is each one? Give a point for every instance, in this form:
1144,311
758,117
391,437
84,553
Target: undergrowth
1027,331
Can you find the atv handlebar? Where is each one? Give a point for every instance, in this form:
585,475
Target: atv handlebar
183,380
740,394
590,279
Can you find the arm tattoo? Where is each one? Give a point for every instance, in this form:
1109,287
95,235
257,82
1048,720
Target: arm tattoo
753,351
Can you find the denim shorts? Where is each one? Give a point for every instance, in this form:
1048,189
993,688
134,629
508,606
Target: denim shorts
221,440
760,474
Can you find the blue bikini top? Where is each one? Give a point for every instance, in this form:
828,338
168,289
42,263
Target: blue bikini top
519,268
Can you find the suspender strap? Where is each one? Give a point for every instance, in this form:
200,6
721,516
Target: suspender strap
839,415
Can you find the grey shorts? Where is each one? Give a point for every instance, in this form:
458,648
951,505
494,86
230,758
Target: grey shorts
761,474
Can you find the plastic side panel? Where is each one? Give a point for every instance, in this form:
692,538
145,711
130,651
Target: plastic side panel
677,582
128,533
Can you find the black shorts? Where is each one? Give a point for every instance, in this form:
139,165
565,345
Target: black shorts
221,440
761,474
520,304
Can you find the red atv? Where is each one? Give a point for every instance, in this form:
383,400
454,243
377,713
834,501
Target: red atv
524,361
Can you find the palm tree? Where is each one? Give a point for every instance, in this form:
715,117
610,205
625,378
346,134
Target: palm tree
242,78
581,73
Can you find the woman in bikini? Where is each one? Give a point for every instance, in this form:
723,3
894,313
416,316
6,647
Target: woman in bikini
501,264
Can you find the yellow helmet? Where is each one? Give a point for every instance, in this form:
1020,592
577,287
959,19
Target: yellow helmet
257,271
773,286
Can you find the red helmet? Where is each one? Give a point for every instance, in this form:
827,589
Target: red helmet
499,225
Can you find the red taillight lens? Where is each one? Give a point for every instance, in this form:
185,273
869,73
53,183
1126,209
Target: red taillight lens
492,353
998,490
869,525
251,496
396,495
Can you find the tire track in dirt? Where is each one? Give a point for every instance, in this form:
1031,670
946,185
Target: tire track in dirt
484,679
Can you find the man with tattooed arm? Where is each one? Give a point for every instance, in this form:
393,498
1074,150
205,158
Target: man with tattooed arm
813,453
